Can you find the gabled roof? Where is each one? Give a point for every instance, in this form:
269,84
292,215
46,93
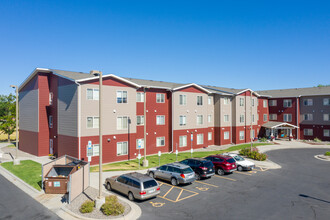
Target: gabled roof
192,84
108,76
310,91
154,84
275,124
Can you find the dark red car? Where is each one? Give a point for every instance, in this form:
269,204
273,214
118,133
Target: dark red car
223,164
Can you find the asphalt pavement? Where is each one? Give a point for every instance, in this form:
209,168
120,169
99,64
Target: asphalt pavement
16,204
299,190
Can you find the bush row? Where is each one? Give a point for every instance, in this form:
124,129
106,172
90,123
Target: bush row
110,207
253,153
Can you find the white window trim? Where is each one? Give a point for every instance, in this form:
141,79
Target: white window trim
200,99
157,142
141,116
326,116
162,99
242,137
202,121
287,101
141,95
93,118
185,137
184,100
122,127
161,116
287,118
224,135
93,96
200,135
324,132
122,143
209,136
122,92
224,118
307,132
185,120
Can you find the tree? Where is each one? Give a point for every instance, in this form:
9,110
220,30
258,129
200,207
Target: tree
7,114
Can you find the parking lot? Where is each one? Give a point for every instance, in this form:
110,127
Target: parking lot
295,191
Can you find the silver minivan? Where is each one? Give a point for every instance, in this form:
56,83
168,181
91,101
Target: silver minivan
176,173
134,185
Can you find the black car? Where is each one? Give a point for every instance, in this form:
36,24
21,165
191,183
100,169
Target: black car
203,168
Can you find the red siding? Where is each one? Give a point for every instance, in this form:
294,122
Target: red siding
187,132
43,142
192,89
28,142
219,135
110,81
52,110
68,145
317,132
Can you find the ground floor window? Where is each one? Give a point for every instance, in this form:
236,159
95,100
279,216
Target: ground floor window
200,138
241,135
122,148
308,132
209,136
160,141
326,132
183,141
226,135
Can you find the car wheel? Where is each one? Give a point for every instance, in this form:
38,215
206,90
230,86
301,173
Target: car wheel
152,175
240,168
220,172
174,182
130,196
108,186
198,177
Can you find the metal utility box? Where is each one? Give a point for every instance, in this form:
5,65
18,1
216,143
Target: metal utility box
56,179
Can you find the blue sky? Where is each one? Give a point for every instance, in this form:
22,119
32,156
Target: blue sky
237,44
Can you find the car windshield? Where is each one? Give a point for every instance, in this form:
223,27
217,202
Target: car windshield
208,164
231,160
187,170
149,184
238,158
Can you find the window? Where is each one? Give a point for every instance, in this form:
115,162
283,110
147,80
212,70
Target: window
183,99
50,121
183,141
121,96
241,135
199,119
209,118
287,117
160,120
265,103
226,118
209,100
273,117
140,120
122,123
252,133
241,118
326,117
50,98
209,136
182,120
92,94
308,117
226,100
122,148
160,98
226,135
137,143
200,138
241,101
326,101
252,102
308,102
92,122
199,100
265,117
326,133
272,102
160,141
140,97
308,132
287,103
96,149
253,118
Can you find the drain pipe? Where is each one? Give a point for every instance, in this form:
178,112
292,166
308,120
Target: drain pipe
79,119
172,118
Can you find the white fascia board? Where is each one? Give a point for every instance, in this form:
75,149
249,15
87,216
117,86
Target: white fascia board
284,123
109,75
155,87
248,90
32,74
192,84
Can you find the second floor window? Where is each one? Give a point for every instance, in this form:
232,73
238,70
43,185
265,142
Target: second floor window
183,99
92,94
287,117
241,118
209,118
273,117
308,102
160,98
209,100
326,101
272,102
226,118
92,122
265,117
241,101
121,96
265,103
253,118
139,97
226,101
122,123
308,117
199,100
182,120
50,98
140,120
160,120
199,119
326,117
287,103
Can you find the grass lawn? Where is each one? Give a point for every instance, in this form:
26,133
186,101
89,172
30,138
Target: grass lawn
165,158
29,171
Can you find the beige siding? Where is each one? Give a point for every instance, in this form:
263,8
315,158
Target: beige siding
111,110
210,111
244,110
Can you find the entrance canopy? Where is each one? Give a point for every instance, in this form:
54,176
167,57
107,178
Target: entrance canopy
278,125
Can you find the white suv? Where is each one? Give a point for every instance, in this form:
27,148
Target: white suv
241,163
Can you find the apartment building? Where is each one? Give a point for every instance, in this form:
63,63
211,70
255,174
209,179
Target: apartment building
306,108
59,114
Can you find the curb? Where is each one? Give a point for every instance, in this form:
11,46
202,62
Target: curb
8,173
322,157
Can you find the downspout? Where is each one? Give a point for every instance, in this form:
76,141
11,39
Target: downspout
297,105
79,120
231,120
172,118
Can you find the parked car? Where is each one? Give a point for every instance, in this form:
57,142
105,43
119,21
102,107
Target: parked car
176,173
241,163
134,185
203,168
223,164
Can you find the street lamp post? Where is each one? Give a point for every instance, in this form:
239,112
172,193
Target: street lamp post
16,160
100,200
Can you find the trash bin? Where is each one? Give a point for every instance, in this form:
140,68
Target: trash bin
57,179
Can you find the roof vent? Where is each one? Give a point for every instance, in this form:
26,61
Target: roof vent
94,72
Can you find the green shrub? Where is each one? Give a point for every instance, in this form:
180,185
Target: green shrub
253,154
111,199
87,207
327,153
317,140
263,139
112,208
